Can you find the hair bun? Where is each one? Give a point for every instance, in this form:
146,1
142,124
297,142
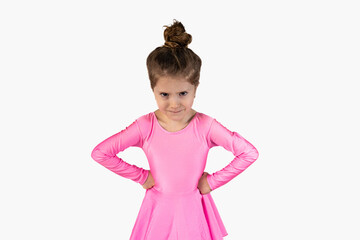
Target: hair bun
175,35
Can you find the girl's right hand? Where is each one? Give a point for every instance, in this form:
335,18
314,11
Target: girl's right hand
150,182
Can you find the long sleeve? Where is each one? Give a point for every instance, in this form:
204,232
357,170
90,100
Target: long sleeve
245,153
105,153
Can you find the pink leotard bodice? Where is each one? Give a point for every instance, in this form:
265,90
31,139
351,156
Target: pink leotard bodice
174,208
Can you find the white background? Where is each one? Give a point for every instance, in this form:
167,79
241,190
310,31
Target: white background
281,73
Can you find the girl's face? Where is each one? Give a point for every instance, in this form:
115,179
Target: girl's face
174,97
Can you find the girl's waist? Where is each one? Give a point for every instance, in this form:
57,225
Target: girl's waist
173,193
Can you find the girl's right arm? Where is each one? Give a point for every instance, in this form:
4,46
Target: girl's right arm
105,153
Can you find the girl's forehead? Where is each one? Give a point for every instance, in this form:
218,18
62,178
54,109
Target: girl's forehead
173,85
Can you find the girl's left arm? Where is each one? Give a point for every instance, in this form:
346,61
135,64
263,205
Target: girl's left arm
245,153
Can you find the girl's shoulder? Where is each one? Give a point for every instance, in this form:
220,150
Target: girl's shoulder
203,124
145,122
204,119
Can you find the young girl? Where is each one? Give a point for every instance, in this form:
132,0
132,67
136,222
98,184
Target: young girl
176,140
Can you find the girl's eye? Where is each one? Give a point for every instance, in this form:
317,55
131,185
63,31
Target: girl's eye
165,94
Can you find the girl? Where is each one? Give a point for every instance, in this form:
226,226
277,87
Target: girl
176,140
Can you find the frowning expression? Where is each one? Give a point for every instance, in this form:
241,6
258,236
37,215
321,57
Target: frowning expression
174,97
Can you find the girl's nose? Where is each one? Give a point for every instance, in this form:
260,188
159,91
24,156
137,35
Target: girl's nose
174,106
174,103
174,100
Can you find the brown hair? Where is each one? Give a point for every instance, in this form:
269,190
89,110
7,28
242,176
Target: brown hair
174,58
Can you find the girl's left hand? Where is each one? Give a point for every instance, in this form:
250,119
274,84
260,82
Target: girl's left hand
203,184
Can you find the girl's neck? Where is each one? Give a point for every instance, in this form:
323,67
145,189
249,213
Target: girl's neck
170,124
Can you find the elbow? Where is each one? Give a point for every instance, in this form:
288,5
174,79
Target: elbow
100,155
97,155
254,153
93,154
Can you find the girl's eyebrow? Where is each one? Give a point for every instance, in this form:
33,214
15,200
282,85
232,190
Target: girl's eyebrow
177,92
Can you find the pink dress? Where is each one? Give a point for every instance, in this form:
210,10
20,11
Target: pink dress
174,208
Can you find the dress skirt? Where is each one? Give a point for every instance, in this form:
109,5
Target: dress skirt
189,216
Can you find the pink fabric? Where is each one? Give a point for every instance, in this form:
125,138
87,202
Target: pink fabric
174,209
